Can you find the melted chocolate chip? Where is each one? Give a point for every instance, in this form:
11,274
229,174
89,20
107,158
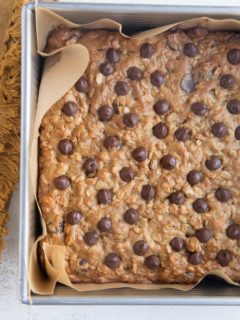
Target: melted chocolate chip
140,154
140,247
111,142
168,162
135,73
70,108
121,88
147,50
83,261
194,177
223,194
160,130
182,134
130,119
148,192
82,85
187,83
104,196
203,235
233,106
227,81
237,133
91,238
224,257
65,146
199,109
219,129
161,107
104,224
105,113
131,216
213,163
195,258
233,56
90,165
157,79
113,55
106,69
74,217
200,205
177,197
126,174
62,182
233,231
177,244
190,50
152,262
112,261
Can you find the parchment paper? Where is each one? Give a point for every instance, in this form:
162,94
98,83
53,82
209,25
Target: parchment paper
72,61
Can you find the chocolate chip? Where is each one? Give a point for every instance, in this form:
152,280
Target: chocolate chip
105,113
227,81
219,129
148,192
147,50
194,177
233,106
187,83
74,217
140,247
223,194
160,130
233,56
224,257
112,261
161,107
195,258
135,73
140,154
190,50
90,165
157,79
62,182
106,69
233,231
113,55
213,163
177,244
131,216
121,88
70,108
182,134
65,146
168,162
203,235
199,109
130,119
237,133
91,238
104,224
104,196
152,262
177,197
126,174
83,261
82,85
111,142
200,205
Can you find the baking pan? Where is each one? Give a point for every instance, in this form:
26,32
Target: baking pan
211,291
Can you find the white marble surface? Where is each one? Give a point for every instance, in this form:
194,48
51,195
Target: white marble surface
11,308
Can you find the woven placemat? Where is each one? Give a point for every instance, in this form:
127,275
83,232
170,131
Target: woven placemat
9,110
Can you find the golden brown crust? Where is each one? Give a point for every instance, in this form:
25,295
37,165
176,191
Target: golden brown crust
159,220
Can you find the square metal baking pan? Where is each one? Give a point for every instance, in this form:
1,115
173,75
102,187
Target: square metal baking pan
134,17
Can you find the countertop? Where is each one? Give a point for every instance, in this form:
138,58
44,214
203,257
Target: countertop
10,306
